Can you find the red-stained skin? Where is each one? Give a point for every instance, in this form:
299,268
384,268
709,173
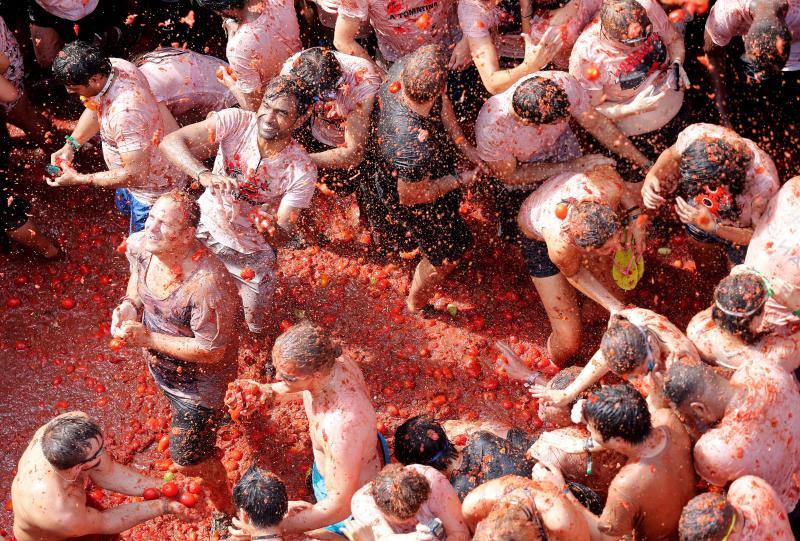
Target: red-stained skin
413,365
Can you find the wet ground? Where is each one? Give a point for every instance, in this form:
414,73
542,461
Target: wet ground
54,337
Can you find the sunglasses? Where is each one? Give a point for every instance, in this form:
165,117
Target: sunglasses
96,455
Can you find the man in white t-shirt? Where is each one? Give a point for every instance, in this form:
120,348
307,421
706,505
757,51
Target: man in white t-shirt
751,511
262,34
261,181
119,105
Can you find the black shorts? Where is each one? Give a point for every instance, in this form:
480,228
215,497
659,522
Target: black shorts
193,438
14,212
445,240
96,22
537,260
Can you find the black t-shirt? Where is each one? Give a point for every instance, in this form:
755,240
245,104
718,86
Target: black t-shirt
488,456
412,148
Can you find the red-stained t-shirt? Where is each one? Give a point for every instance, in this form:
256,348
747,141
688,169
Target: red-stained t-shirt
130,121
402,26
258,49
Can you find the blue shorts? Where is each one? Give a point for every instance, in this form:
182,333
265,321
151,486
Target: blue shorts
130,206
321,490
735,252
537,260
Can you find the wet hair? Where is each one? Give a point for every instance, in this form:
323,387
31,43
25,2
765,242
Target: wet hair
421,440
399,491
738,299
66,440
157,56
686,380
707,517
508,521
617,16
78,61
588,498
766,44
540,100
262,495
220,5
618,411
712,162
308,347
190,206
317,71
624,346
425,73
287,86
563,379
592,224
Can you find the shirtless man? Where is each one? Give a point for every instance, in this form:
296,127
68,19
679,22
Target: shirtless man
748,424
646,497
341,419
593,469
403,500
638,346
733,331
262,34
261,180
119,105
750,511
513,507
49,489
524,143
573,225
725,182
186,327
469,453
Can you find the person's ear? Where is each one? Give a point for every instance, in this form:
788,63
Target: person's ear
97,80
699,410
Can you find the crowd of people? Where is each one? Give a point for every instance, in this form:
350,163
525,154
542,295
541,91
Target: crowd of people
579,123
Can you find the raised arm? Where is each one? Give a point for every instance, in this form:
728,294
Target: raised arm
344,36
356,131
537,56
188,146
716,69
662,178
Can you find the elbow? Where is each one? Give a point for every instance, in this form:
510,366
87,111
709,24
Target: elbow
344,44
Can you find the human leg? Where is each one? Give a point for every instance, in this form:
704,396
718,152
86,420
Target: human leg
32,122
29,236
427,278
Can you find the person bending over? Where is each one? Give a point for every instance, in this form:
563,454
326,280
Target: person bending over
725,183
581,232
750,511
733,332
646,497
746,426
402,501
49,491
489,451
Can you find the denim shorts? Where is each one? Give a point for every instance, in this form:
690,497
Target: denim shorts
128,205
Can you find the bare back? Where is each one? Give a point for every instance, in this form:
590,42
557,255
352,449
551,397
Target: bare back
649,494
40,500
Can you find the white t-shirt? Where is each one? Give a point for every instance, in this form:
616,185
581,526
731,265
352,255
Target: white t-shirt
402,26
290,177
730,18
187,82
762,177
259,48
130,121
500,134
360,81
72,10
